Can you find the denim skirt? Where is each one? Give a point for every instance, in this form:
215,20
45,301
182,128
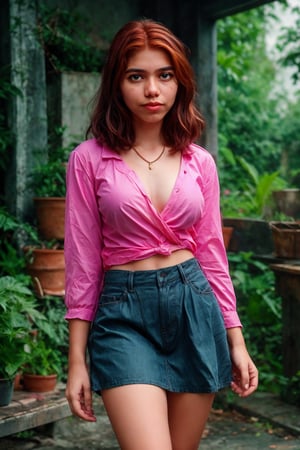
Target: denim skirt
160,327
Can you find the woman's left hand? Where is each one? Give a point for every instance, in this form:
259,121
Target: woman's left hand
244,371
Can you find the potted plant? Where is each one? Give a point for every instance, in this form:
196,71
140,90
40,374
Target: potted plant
45,255
45,264
42,367
49,186
18,314
49,200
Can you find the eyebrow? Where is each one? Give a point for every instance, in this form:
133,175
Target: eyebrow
135,69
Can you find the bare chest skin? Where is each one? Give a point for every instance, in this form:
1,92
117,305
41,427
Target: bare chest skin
159,182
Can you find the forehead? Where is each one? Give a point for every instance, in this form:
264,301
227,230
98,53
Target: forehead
149,59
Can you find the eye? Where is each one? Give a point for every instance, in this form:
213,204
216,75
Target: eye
135,77
166,76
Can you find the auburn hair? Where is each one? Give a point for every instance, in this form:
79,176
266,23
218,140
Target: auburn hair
111,120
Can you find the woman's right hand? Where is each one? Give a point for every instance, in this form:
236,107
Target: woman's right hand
78,392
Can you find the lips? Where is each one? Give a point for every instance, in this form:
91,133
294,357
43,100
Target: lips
153,106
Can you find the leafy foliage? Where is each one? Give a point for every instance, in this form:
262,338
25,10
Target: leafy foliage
49,180
65,39
18,313
42,359
260,310
250,113
7,92
254,197
289,44
12,231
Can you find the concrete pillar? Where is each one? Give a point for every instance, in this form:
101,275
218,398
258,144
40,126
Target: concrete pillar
28,111
69,101
204,60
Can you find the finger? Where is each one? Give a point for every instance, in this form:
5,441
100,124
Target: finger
238,385
78,408
86,402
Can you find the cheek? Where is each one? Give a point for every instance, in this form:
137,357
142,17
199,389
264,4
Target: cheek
128,95
173,91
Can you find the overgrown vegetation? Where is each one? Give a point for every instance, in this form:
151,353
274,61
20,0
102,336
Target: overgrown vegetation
257,123
260,310
20,311
66,41
289,45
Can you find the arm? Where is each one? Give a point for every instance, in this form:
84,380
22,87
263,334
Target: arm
78,391
212,257
245,373
83,276
210,249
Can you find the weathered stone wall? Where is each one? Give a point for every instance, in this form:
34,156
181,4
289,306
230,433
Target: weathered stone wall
28,111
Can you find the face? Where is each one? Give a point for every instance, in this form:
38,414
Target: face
149,86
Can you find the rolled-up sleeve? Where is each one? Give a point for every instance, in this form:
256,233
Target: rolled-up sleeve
211,252
82,247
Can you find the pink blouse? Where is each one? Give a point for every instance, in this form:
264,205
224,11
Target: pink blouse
111,220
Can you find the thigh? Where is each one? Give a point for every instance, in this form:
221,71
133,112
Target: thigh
139,416
188,414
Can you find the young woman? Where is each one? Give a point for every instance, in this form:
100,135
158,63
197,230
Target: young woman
147,287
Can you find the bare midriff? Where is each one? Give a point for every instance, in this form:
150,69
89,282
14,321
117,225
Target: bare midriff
156,262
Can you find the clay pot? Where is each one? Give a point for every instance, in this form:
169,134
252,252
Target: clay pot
227,233
50,213
47,269
39,383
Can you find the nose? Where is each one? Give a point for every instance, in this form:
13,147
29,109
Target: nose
151,88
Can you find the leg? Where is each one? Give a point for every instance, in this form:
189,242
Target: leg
139,416
188,414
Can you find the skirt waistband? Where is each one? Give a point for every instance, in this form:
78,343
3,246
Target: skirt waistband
147,277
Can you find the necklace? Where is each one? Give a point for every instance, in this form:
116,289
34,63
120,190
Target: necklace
146,160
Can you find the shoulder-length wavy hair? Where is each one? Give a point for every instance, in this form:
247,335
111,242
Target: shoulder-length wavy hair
111,121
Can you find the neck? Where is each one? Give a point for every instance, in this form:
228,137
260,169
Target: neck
148,138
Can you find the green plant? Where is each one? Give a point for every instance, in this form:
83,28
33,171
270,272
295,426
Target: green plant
48,180
18,314
7,92
289,45
64,36
41,359
14,234
259,308
254,199
55,331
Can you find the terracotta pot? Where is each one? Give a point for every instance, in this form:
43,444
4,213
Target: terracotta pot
47,269
227,233
18,382
286,236
39,383
50,213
